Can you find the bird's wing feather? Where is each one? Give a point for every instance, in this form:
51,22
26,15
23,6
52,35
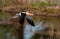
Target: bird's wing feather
30,21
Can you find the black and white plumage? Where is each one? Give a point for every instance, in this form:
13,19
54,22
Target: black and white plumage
29,20
23,16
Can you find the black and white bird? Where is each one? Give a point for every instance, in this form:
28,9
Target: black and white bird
25,15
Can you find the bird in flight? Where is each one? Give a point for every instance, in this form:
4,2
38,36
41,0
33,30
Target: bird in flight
25,15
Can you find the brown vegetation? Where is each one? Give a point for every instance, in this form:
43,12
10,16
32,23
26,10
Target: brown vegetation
48,11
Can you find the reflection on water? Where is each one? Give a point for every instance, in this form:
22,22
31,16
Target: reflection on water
28,31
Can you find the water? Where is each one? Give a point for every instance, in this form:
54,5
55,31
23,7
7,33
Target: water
30,30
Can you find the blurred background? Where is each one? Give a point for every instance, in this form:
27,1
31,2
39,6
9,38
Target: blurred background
46,18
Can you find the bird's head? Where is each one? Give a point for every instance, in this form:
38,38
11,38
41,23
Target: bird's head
23,14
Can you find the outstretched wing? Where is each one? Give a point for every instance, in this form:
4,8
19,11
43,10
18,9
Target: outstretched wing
30,21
